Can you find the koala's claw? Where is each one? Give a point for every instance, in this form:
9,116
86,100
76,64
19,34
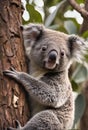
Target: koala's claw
11,68
12,73
18,126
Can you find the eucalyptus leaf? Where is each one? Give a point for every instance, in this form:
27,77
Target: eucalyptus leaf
79,107
70,27
80,74
52,16
74,85
35,16
54,27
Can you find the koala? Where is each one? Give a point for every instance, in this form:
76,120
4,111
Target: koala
50,93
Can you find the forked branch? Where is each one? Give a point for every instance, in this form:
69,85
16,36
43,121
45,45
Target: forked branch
77,7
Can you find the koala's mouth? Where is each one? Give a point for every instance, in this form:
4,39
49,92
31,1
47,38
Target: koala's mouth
50,65
51,61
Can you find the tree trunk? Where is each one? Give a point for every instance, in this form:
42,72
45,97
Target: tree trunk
84,26
13,102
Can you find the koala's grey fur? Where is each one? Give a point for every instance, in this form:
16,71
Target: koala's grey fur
51,54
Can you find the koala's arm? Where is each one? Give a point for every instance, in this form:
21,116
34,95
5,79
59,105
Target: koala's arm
38,89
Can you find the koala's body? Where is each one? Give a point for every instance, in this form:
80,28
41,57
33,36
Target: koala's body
51,54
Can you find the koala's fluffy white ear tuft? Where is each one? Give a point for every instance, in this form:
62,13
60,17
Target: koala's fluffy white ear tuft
31,33
78,47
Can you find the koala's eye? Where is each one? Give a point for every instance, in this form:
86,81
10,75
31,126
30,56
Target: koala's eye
44,48
62,53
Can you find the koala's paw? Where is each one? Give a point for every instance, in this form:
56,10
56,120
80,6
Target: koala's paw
12,73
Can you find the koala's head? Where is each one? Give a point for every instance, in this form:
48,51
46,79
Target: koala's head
50,49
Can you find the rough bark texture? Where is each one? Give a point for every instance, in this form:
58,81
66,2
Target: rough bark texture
13,103
84,26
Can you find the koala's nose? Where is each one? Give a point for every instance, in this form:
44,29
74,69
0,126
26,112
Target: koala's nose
53,55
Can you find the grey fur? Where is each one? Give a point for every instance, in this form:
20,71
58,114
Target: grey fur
50,53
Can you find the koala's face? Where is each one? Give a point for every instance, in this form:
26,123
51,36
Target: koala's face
50,49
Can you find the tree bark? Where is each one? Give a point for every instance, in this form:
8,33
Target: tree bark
84,26
13,102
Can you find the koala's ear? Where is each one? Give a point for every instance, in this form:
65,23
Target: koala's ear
32,32
78,47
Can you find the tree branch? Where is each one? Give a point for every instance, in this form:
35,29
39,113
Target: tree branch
77,7
84,26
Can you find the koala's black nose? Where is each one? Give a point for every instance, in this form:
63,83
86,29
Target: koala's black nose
53,55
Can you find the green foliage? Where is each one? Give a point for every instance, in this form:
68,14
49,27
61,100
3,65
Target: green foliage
80,1
52,16
57,20
74,85
70,27
80,74
79,107
35,16
85,34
